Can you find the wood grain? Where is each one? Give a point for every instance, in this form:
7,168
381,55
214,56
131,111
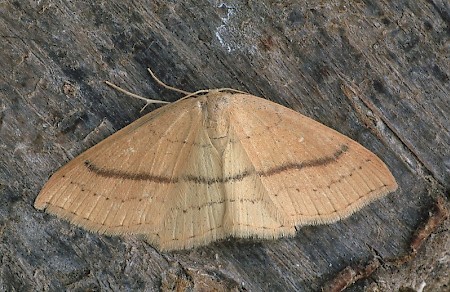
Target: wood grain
376,71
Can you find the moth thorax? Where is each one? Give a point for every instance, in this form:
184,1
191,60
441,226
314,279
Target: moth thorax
218,119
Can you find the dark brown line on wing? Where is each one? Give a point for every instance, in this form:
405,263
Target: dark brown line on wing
308,163
127,175
209,181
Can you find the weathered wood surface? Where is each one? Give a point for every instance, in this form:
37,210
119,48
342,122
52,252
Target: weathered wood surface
377,71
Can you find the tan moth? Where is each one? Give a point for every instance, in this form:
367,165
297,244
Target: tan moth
215,164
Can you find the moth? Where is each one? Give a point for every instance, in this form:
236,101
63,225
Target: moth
217,163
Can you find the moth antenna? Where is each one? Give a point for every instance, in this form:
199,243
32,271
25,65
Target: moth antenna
167,86
187,94
147,100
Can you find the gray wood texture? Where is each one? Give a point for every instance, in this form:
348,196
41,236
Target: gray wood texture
375,70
